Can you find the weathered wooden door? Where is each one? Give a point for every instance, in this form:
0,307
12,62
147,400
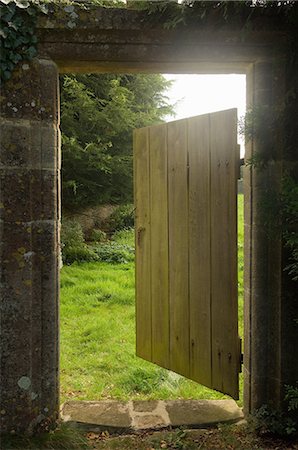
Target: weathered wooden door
186,248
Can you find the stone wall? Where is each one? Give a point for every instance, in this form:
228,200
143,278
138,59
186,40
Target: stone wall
29,236
123,41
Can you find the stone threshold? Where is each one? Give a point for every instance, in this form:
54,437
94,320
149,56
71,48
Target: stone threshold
132,416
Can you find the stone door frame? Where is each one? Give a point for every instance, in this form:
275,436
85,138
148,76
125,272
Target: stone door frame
111,41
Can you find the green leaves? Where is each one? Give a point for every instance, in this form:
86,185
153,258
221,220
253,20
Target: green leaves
98,114
18,41
17,33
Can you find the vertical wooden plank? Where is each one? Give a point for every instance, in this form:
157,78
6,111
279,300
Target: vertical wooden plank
199,249
142,227
178,246
225,347
159,244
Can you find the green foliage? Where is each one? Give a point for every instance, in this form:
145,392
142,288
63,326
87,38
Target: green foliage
114,253
171,13
74,248
268,421
98,114
289,203
17,33
122,218
71,233
97,235
78,254
176,440
125,236
73,243
292,397
265,420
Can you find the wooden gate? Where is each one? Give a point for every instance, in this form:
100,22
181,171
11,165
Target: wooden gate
186,248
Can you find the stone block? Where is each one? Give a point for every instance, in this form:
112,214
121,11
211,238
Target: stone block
32,93
28,194
28,144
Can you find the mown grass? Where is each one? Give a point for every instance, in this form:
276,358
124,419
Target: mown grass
97,317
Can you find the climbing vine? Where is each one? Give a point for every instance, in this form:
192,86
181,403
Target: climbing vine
18,20
189,12
17,32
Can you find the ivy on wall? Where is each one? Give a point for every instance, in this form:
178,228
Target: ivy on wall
17,32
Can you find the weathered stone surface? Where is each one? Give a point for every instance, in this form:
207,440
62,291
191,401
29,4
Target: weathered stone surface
126,41
104,413
204,412
141,406
29,94
23,150
28,195
29,216
266,330
143,415
130,40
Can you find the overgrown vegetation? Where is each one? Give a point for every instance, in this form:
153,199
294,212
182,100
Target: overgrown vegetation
98,115
17,33
118,249
122,217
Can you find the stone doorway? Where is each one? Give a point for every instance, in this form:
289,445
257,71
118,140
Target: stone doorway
123,40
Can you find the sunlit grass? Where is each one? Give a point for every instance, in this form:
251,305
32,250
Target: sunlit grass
97,316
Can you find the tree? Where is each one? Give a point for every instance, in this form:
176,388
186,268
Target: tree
98,114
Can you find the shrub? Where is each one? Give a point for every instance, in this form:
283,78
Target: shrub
269,421
122,217
73,243
78,254
97,235
114,253
292,397
71,234
74,247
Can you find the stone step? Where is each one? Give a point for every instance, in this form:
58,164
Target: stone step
139,415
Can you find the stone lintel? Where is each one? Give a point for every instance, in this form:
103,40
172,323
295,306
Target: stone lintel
91,17
95,39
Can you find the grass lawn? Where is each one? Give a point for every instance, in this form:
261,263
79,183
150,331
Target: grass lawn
97,317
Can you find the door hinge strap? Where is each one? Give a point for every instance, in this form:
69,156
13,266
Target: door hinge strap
240,355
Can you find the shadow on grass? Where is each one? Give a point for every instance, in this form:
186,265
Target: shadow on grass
63,438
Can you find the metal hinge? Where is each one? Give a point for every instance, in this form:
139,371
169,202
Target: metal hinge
240,355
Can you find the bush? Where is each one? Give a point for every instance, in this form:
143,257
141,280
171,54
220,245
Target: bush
122,217
269,421
78,254
74,247
97,235
114,253
71,234
73,244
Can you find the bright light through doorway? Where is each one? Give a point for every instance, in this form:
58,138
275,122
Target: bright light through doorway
201,94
